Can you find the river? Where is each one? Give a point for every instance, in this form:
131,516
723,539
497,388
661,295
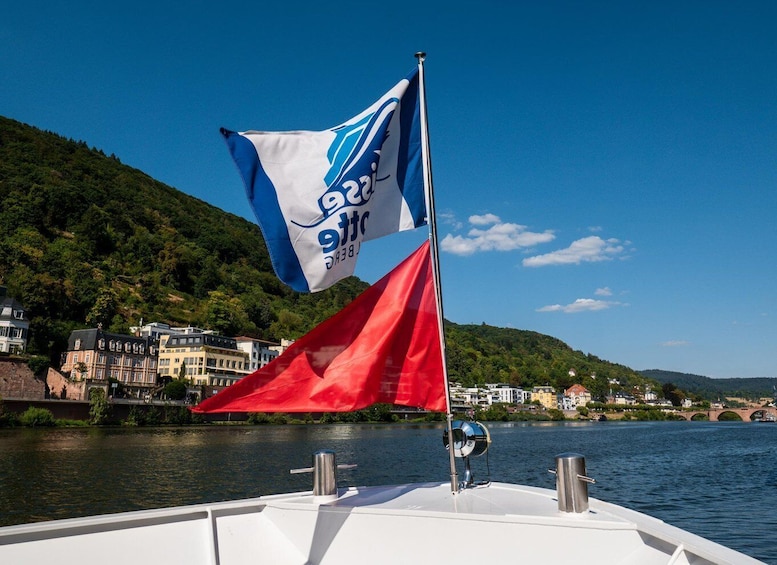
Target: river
716,479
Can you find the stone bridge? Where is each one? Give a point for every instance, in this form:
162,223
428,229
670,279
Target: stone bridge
747,414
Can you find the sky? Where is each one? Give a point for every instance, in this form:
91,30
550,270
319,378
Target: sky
604,172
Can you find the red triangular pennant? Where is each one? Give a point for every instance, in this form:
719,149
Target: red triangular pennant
383,347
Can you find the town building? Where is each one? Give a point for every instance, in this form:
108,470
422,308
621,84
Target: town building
97,355
504,393
259,352
621,398
564,402
14,324
203,358
578,395
158,329
545,395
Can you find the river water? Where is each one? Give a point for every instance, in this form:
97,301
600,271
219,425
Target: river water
716,479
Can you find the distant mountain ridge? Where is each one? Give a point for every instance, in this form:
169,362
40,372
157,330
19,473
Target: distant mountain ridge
714,389
86,240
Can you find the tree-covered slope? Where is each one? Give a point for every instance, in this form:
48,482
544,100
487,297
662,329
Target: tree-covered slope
715,389
85,239
483,353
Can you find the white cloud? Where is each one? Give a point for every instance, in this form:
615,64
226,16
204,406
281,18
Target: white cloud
604,291
484,220
580,305
500,236
449,219
675,343
589,249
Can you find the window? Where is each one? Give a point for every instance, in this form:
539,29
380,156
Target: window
101,343
77,345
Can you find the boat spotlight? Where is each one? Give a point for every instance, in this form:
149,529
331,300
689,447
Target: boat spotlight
470,439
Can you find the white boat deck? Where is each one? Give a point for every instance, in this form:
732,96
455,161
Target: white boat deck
419,523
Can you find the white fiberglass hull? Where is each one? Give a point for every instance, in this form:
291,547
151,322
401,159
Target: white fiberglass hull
417,523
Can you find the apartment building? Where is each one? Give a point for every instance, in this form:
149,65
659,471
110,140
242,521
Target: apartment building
203,358
259,352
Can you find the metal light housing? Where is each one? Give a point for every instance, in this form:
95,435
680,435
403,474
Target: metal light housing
470,439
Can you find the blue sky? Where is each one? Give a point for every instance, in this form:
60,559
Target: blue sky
604,172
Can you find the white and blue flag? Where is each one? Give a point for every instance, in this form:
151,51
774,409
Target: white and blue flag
319,194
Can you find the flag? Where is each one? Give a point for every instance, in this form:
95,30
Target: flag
383,347
319,194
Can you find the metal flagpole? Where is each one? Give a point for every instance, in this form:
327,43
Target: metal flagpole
432,219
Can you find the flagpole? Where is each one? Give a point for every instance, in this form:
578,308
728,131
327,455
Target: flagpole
432,220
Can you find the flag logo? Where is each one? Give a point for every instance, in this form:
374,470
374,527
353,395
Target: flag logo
319,194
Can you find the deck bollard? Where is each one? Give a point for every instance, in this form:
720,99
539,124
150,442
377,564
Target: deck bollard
324,471
571,482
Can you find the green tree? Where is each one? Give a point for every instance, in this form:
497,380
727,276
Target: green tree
226,314
104,308
175,390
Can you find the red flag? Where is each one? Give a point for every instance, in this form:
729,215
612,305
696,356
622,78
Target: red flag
383,347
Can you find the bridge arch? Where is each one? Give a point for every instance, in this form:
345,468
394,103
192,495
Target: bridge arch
744,414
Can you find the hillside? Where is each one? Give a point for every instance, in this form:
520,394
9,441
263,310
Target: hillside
86,240
714,389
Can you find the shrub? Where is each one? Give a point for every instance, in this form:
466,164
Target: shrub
258,418
37,417
178,415
279,419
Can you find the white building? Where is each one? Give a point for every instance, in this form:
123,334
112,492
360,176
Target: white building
503,393
14,324
156,330
260,352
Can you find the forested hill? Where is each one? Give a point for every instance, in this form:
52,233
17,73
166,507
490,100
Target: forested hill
85,239
714,389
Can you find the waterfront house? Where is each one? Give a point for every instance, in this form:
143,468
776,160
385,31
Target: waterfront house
14,324
545,395
622,398
95,356
578,395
